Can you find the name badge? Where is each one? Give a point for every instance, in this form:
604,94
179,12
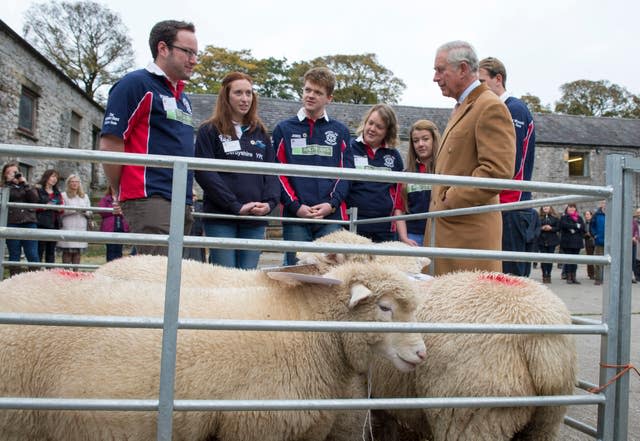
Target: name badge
231,146
361,161
298,142
169,103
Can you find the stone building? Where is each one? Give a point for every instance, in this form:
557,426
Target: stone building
40,105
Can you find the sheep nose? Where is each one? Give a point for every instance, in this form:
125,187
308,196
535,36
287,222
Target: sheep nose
422,355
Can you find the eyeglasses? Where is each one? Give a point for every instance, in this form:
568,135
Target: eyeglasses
190,53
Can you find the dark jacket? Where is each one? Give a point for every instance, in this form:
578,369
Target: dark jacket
22,193
50,219
374,199
549,238
323,143
227,192
571,232
597,227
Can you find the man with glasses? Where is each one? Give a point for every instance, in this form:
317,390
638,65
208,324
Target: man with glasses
148,113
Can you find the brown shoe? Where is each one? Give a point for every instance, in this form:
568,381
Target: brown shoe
597,282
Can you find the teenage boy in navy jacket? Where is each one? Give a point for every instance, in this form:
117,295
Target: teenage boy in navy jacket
311,138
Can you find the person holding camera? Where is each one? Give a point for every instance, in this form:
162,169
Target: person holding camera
20,191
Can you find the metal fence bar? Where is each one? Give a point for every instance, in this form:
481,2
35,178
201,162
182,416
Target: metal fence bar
298,170
172,302
280,245
610,308
282,405
294,325
581,427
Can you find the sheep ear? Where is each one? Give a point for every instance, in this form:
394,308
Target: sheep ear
359,292
295,279
424,262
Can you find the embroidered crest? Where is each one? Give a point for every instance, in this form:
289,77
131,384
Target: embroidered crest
389,161
330,137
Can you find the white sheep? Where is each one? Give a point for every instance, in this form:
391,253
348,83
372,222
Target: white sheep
476,364
462,365
67,362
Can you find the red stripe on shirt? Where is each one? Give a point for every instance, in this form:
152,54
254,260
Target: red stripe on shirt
507,196
136,140
284,180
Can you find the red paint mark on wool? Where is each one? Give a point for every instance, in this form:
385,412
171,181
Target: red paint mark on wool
76,275
505,279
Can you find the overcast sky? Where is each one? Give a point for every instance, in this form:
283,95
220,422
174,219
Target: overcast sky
543,43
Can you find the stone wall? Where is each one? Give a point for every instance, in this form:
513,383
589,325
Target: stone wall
58,96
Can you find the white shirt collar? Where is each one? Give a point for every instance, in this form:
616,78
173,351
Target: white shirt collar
155,69
302,115
468,90
505,96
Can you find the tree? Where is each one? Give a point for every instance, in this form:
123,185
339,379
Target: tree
597,98
360,79
534,104
84,39
214,63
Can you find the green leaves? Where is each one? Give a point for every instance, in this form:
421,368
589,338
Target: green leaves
597,98
360,79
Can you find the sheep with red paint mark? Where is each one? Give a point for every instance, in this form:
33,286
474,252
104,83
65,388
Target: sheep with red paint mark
476,365
123,363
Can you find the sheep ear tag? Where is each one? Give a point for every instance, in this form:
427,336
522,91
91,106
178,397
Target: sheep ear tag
306,278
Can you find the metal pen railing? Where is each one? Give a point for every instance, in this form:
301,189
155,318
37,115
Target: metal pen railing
614,328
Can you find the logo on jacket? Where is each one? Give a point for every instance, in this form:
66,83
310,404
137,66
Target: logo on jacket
185,103
330,137
389,161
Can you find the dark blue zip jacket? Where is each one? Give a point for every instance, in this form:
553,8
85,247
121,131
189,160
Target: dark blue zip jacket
374,199
320,143
597,227
226,192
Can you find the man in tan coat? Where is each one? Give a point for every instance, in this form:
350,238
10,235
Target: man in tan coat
479,141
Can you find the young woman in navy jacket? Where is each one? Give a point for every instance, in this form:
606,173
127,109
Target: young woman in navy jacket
375,149
235,132
424,139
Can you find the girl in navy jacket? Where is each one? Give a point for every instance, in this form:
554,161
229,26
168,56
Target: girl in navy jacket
375,149
235,132
424,140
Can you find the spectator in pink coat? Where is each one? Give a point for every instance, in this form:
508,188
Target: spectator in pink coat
112,221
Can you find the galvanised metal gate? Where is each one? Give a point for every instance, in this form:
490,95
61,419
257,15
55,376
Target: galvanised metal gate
614,328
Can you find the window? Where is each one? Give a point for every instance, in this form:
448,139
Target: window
27,111
74,139
578,164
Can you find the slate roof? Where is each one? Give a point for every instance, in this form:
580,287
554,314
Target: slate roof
551,129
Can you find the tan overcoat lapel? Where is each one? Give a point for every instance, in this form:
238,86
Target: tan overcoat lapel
465,107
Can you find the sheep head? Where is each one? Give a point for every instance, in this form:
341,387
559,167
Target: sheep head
375,292
325,261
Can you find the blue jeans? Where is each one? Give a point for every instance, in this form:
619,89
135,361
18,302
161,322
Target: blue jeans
245,259
417,238
304,233
30,247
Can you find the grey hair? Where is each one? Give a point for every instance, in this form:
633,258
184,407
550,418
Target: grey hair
459,51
